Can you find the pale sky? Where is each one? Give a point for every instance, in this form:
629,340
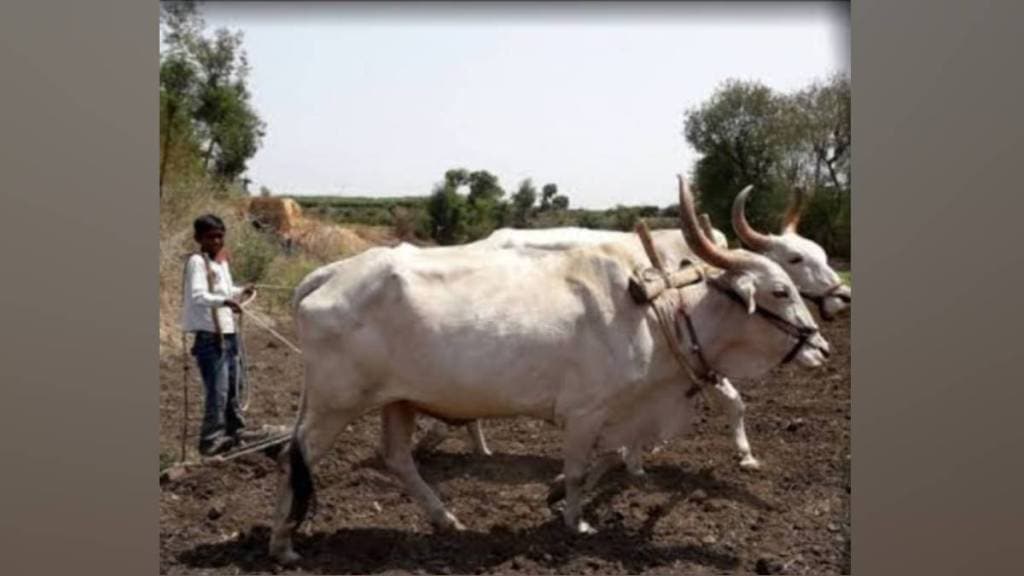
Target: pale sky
380,100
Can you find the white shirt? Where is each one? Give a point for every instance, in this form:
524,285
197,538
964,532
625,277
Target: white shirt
199,300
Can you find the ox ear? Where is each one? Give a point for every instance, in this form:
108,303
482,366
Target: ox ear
746,288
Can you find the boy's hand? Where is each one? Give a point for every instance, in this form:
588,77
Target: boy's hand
248,291
234,306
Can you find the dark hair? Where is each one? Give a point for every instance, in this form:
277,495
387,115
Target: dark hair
208,222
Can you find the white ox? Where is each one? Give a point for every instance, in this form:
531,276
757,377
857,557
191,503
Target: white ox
571,237
672,249
468,335
803,259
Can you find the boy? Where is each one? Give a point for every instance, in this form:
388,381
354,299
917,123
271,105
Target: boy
210,297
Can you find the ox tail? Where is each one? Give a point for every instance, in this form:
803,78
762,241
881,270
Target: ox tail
309,284
301,482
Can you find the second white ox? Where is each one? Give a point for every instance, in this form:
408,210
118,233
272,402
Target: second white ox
672,249
803,259
464,335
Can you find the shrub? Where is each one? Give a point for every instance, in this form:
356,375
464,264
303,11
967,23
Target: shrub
287,272
251,253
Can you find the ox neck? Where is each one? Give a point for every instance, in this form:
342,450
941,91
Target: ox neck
688,343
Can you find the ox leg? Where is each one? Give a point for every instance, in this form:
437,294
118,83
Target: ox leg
399,423
314,436
434,436
476,437
579,442
633,459
601,466
730,399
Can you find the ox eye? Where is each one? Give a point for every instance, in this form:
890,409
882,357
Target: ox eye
781,293
796,259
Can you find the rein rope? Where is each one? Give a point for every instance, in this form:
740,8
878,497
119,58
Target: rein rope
262,323
243,384
705,375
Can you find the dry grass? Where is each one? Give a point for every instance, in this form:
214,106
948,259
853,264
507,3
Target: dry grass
256,256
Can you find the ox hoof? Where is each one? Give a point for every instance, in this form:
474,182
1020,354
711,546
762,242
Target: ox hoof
447,522
750,463
556,490
286,557
637,472
582,527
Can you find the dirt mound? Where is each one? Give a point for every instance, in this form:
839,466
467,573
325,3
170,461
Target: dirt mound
697,513
326,242
279,214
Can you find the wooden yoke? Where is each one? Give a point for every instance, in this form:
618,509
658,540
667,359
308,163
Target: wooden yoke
648,283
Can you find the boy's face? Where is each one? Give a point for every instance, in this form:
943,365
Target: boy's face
211,241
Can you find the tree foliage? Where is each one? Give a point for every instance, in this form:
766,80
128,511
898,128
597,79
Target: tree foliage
467,206
206,111
522,203
747,133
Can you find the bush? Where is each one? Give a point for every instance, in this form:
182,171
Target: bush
826,220
251,253
287,272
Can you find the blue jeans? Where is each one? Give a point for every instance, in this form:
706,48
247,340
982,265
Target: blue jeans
219,370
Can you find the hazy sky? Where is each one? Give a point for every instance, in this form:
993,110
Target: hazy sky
380,100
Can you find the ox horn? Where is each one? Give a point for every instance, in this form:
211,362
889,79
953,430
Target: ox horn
796,206
705,225
701,245
750,237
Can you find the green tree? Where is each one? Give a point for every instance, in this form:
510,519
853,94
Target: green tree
447,211
522,203
560,202
178,101
456,177
548,192
484,186
739,133
748,134
204,94
229,125
824,130
454,218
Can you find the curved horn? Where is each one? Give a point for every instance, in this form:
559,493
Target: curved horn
796,206
750,237
706,227
701,245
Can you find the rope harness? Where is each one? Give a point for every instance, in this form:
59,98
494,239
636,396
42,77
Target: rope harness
665,310
703,375
802,334
644,292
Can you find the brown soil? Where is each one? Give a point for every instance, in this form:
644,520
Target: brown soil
696,513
